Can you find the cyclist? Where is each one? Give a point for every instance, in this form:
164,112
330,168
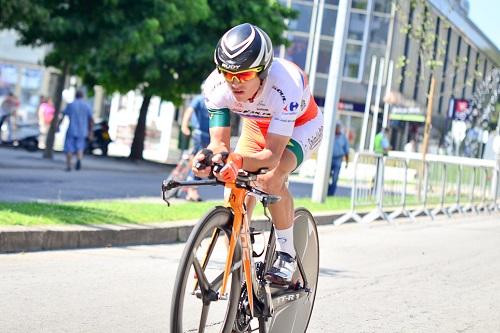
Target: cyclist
282,125
196,117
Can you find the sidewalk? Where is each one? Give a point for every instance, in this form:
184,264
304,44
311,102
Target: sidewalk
28,177
23,239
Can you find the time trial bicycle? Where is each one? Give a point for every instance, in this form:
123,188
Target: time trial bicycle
220,287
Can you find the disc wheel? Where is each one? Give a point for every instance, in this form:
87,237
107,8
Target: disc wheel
294,316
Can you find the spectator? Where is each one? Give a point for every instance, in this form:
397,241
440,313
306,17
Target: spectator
46,112
195,122
411,146
8,111
79,128
382,145
340,149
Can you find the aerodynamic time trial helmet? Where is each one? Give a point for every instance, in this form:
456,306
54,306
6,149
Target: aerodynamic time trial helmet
243,47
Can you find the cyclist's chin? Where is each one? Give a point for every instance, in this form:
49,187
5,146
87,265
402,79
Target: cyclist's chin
241,96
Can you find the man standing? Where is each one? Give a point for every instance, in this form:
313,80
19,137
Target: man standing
340,149
8,111
80,126
195,122
382,145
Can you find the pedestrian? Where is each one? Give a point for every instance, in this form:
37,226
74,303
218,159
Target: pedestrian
195,122
340,150
382,145
80,127
411,146
8,112
46,112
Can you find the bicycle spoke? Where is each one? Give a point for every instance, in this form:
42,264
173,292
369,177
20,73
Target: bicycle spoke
200,274
203,319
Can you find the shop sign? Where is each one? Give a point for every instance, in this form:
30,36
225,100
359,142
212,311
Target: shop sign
407,114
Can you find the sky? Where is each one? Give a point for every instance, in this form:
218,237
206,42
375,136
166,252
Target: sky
485,14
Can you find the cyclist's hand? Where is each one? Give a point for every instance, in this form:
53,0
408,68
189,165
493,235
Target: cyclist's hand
202,162
229,172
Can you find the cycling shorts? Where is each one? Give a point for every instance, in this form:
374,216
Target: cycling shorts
304,141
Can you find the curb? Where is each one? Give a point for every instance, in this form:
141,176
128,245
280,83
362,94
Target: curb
13,240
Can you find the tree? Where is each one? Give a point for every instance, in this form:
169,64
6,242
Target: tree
182,56
158,47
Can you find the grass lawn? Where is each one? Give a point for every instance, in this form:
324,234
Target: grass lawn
119,212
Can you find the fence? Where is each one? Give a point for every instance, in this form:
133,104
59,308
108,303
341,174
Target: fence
402,184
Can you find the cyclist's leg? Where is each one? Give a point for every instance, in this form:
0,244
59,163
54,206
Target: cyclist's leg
251,141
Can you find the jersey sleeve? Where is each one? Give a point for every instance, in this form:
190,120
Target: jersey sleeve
218,112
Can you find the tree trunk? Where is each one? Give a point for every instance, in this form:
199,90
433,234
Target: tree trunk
49,143
140,130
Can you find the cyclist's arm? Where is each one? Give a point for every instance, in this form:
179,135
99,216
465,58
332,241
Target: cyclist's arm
270,156
219,139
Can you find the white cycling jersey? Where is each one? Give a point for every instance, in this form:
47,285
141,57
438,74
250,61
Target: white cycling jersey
285,101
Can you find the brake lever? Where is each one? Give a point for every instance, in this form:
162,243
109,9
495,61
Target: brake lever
165,186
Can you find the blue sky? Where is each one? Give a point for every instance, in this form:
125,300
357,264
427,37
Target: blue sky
486,15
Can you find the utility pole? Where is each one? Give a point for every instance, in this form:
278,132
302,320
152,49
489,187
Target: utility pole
324,160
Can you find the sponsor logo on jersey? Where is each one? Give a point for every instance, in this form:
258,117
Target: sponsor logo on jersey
254,113
280,92
293,106
315,139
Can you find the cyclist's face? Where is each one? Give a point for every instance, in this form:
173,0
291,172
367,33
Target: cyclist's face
243,91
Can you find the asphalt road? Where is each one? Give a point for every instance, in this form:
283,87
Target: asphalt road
440,276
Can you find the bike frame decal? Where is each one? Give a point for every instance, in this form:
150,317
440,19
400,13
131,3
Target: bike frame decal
219,117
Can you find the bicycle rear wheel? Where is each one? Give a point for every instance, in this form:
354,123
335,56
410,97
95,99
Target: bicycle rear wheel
195,304
294,316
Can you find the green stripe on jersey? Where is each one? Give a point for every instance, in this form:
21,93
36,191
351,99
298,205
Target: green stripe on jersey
296,149
219,117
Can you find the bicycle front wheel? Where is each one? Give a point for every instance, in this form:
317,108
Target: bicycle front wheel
196,306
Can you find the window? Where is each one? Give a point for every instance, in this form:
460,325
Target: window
320,87
324,56
359,4
8,78
332,2
372,50
329,21
303,21
352,60
356,26
298,50
379,29
382,6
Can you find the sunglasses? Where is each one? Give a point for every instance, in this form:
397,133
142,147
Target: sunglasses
241,76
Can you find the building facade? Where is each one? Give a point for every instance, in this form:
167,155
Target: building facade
461,55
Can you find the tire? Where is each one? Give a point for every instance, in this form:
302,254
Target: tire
295,317
186,308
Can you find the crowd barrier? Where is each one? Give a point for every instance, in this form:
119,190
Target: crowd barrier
403,184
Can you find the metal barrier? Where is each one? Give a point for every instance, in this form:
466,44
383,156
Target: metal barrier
406,185
395,186
364,192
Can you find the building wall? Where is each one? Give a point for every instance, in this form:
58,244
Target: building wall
370,22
